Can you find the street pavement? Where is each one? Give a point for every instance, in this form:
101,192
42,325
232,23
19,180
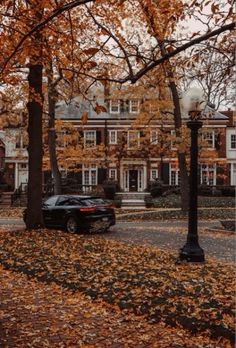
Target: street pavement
168,235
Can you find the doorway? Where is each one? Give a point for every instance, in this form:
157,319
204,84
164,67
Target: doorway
133,180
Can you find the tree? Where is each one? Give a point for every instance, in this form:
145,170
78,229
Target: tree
130,57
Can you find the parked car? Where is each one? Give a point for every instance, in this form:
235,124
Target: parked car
76,213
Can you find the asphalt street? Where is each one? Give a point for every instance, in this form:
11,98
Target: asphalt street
168,235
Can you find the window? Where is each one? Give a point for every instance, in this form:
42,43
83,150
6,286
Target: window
51,201
154,137
20,141
133,139
23,166
112,137
89,176
113,173
208,174
233,141
90,138
209,137
134,106
173,141
114,106
154,174
174,174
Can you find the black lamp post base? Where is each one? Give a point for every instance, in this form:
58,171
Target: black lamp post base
191,254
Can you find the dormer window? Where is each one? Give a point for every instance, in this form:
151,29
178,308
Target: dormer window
114,106
134,106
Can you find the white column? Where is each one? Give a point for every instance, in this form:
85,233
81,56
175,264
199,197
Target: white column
16,176
121,177
145,176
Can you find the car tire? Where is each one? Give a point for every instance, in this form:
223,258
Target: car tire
71,225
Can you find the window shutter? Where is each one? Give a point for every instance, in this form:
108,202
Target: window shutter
217,141
166,174
99,137
219,175
122,106
102,173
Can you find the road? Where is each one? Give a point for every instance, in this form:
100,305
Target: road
168,235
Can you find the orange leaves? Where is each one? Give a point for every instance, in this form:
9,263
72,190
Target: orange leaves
84,118
142,280
99,108
91,51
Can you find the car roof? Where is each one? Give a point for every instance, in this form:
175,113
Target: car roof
76,196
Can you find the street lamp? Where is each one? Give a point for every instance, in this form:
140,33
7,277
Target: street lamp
193,103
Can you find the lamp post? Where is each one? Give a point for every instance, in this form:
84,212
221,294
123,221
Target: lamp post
193,103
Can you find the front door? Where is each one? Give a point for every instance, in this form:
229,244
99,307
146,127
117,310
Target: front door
133,180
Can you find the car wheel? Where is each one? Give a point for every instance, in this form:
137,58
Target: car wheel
71,225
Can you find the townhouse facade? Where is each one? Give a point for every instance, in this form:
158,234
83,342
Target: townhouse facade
138,153
135,151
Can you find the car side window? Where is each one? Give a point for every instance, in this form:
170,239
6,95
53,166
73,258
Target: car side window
63,201
74,201
50,202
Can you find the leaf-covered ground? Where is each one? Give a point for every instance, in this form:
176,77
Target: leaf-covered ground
143,283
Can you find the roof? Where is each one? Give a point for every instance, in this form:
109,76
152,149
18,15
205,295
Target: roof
75,109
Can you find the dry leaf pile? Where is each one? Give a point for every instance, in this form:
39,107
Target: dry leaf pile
197,301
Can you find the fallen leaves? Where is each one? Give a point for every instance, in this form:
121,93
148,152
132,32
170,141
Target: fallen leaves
143,281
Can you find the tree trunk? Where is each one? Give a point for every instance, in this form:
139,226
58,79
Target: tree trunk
52,133
34,218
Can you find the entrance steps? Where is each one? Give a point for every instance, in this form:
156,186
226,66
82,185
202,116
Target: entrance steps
5,199
132,200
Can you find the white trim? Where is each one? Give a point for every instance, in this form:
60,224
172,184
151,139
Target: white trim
233,174
130,106
94,140
115,171
138,139
117,104
153,137
89,168
110,137
208,170
213,135
155,170
230,142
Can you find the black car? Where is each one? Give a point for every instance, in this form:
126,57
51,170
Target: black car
76,213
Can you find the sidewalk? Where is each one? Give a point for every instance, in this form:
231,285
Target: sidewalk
64,290
33,314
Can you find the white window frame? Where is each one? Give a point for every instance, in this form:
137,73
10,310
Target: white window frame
134,106
114,175
208,168
86,133
138,139
152,171
174,177
154,137
112,137
232,141
209,137
92,172
114,106
19,141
